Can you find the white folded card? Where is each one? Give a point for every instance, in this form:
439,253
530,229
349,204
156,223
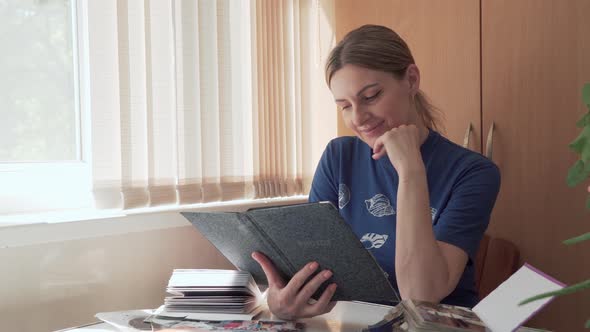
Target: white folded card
500,310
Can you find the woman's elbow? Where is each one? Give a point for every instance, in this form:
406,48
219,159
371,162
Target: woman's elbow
432,293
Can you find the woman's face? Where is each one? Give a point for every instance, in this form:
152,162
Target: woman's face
373,102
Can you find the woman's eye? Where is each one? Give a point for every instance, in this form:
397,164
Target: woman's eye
373,97
344,107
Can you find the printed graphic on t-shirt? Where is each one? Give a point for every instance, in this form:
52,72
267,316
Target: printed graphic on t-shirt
373,240
379,206
343,195
433,212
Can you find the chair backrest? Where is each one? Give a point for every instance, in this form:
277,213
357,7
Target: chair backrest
496,260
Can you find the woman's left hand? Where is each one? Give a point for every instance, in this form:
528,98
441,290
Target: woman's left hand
402,145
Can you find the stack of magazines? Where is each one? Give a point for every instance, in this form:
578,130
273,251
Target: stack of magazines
212,291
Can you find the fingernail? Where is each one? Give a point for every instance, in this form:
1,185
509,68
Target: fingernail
254,255
327,274
333,286
313,266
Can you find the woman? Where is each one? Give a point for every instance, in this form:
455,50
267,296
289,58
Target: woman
418,202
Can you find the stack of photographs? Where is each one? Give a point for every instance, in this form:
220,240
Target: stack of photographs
212,291
424,316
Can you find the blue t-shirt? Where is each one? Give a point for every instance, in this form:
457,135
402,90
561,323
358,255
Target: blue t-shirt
462,184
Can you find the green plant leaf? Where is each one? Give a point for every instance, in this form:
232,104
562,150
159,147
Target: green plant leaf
581,144
584,121
567,290
586,94
577,239
577,173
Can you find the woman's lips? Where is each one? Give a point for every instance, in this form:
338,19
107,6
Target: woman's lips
372,131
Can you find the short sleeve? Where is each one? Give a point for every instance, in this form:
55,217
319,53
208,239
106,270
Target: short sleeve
466,216
324,186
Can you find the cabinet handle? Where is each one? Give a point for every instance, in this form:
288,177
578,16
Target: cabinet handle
467,136
490,142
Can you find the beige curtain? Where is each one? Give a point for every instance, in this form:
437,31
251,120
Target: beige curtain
200,101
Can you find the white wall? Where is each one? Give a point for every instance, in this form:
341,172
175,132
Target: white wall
59,275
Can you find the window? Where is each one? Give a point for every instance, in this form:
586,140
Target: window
140,103
38,104
41,159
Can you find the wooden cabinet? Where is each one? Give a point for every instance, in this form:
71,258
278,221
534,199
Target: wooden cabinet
444,39
535,60
519,64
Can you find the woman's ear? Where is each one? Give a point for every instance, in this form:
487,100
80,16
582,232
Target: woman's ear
413,78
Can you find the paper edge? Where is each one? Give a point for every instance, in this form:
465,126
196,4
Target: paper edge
545,275
547,300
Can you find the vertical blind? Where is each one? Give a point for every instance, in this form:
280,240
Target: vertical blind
200,101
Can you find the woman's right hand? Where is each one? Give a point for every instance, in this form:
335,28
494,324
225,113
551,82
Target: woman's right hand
291,300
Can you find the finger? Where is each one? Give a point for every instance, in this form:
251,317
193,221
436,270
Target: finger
323,305
378,155
272,275
331,306
299,279
379,146
312,286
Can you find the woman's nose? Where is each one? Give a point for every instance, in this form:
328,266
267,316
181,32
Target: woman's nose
359,116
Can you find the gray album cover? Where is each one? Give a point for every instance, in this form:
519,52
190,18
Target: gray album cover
293,235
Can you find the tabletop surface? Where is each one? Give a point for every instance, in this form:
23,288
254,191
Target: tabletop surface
346,316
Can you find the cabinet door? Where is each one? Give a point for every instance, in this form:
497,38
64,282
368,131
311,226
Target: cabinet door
535,59
444,39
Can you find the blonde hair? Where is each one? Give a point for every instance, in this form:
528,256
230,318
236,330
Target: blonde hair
380,48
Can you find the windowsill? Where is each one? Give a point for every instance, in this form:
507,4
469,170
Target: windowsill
56,226
72,215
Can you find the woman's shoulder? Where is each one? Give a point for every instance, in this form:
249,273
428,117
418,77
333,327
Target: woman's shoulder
464,159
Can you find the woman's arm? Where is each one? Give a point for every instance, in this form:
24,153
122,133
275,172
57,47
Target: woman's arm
426,269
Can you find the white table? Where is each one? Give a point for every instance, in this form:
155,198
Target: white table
345,317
